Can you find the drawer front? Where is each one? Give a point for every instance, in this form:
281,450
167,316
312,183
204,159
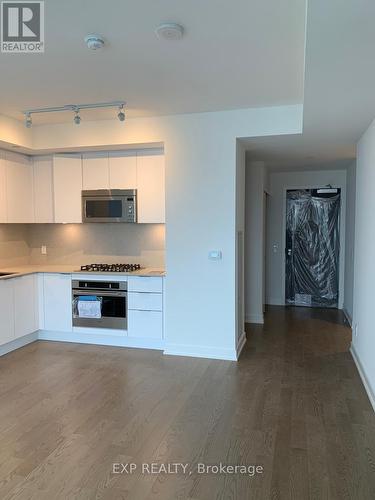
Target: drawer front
145,324
145,301
144,284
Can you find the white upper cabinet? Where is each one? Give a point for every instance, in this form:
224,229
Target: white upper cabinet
19,189
95,171
122,171
3,199
151,188
43,189
49,189
67,172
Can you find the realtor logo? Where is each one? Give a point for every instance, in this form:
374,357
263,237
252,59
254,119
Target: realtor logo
22,27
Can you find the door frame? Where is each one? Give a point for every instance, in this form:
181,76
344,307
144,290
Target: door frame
342,238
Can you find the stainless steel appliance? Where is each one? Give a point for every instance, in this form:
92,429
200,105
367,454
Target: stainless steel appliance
109,205
112,296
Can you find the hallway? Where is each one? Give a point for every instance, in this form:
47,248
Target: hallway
311,400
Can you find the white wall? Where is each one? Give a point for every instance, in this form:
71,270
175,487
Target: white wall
200,154
279,182
363,344
254,241
350,240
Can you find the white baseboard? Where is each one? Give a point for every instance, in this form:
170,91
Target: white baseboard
115,341
17,343
195,351
254,318
347,316
240,344
363,376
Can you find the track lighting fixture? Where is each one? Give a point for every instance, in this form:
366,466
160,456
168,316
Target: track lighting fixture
76,108
77,118
28,120
121,114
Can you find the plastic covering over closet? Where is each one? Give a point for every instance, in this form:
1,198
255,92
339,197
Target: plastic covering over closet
312,248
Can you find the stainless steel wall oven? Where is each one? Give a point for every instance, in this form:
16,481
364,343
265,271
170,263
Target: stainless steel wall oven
100,304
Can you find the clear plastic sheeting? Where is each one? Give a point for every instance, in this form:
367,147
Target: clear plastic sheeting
312,248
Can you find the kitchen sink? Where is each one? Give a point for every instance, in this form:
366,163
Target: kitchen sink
6,274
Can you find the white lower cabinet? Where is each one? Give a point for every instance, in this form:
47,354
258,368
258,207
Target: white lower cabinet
6,311
145,284
18,307
44,302
145,324
57,296
145,301
145,307
25,305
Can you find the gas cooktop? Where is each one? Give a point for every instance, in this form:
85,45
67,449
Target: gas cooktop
111,268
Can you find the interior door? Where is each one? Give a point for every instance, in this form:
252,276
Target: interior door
312,247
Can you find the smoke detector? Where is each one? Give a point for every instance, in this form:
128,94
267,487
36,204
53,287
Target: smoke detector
94,42
170,31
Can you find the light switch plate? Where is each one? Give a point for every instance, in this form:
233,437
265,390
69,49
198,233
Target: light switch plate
215,255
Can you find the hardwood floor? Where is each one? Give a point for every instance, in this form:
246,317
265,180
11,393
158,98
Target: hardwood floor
294,405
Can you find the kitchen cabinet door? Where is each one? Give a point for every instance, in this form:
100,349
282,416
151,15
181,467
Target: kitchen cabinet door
6,311
145,284
145,301
122,171
3,199
67,173
145,324
43,190
151,188
57,292
95,171
19,190
25,305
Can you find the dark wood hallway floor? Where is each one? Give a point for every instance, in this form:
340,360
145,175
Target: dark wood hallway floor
294,405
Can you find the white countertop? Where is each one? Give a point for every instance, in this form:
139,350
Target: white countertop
73,269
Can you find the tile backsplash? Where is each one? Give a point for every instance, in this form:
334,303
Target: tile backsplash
82,244
14,248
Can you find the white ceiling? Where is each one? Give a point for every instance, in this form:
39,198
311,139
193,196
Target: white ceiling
238,53
339,97
286,152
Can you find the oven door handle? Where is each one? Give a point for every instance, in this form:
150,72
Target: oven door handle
77,293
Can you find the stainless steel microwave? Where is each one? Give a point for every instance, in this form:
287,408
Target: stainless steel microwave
109,205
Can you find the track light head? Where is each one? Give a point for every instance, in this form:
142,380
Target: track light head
28,120
77,118
121,114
